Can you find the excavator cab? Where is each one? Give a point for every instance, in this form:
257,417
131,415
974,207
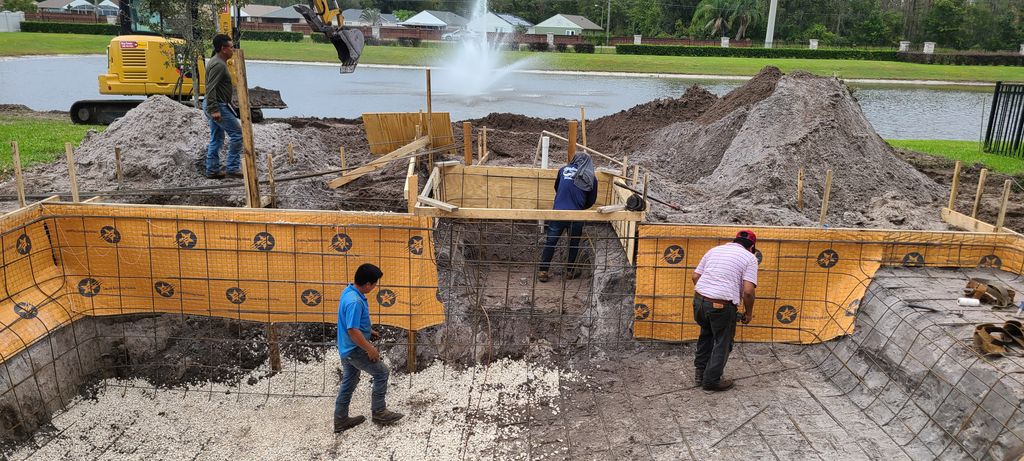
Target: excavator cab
347,41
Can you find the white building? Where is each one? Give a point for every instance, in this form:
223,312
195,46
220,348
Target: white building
438,20
499,23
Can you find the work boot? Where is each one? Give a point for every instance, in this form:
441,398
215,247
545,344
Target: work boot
542,276
235,174
385,417
344,424
214,175
720,386
698,377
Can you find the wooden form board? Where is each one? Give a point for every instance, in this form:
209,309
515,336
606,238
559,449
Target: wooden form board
280,266
388,131
810,281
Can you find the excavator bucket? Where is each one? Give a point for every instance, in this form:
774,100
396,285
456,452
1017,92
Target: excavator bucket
347,41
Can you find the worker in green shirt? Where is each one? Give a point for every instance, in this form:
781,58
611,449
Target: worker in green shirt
221,115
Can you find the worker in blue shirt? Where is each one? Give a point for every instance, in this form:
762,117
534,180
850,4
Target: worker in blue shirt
575,189
358,354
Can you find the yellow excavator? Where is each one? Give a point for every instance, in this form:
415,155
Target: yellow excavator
139,64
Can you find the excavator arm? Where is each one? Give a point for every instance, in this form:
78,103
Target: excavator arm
347,41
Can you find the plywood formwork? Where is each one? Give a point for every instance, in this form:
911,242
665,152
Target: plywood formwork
810,281
388,131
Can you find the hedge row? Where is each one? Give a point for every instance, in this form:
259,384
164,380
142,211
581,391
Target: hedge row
707,51
69,28
320,38
271,36
964,59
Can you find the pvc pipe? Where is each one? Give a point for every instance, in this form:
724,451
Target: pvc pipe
545,143
968,302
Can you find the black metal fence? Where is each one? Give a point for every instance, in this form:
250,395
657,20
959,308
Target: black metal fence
1006,121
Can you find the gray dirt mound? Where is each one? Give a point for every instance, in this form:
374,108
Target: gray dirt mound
636,122
163,145
754,91
516,122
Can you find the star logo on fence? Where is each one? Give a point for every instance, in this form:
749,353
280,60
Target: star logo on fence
26,310
88,287
311,298
263,241
341,243
386,297
416,245
674,254
992,261
110,235
786,314
164,289
913,259
235,295
828,258
641,312
23,245
186,239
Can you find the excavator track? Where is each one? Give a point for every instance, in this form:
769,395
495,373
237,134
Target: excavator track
105,111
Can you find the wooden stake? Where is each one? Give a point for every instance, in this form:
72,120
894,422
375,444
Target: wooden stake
644,195
583,125
1001,219
467,143
824,201
72,175
120,174
270,179
291,153
430,113
249,172
625,166
800,189
981,190
275,348
956,185
636,175
413,192
572,140
344,163
19,180
410,361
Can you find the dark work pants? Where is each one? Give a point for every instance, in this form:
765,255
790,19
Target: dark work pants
717,327
555,229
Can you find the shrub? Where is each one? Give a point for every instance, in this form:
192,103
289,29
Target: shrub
541,46
271,36
562,47
964,59
677,50
409,41
69,28
584,48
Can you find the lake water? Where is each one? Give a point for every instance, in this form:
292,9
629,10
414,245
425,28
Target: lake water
310,90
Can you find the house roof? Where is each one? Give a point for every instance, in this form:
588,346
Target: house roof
80,5
284,13
434,18
514,20
258,11
53,4
356,14
569,21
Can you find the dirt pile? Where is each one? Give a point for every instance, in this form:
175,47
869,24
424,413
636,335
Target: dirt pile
163,145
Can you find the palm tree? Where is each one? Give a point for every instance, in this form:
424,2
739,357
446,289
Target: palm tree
372,16
744,14
715,15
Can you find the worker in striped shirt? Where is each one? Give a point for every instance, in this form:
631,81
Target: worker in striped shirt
726,274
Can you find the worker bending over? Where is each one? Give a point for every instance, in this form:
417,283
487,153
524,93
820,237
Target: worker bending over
725,274
358,354
575,189
221,115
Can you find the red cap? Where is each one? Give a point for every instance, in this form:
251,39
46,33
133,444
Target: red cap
747,234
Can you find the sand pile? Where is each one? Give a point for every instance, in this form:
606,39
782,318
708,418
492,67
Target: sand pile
163,145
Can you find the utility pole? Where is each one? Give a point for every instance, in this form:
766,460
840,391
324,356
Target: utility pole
769,36
608,23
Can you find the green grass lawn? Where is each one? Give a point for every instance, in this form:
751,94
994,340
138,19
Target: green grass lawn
15,44
967,151
39,140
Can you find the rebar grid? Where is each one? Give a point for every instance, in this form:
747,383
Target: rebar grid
483,267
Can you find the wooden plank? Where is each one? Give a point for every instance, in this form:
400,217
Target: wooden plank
800,189
19,178
1001,219
967,223
953,187
979,192
411,192
388,131
583,125
572,143
447,163
530,214
467,143
291,153
96,199
611,208
445,206
69,152
592,151
120,173
249,172
379,162
824,200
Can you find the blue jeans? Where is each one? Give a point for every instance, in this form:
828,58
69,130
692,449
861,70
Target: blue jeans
717,328
228,124
350,369
555,229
